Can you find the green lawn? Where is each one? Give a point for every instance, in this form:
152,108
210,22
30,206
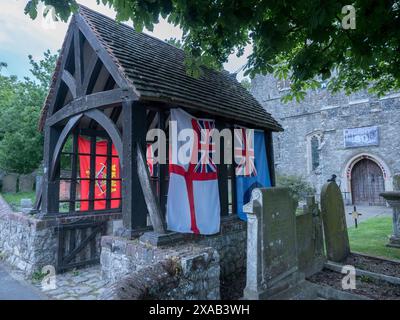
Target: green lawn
371,237
14,199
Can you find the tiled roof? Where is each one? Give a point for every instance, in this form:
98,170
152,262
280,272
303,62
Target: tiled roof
157,72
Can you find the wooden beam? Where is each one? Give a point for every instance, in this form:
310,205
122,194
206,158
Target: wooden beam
222,175
65,53
270,156
134,209
89,102
60,144
70,82
153,208
78,60
94,61
162,168
50,193
109,127
92,172
109,173
102,53
74,172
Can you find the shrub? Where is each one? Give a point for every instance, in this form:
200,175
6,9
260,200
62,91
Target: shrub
298,186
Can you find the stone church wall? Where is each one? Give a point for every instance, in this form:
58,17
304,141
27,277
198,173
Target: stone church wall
328,115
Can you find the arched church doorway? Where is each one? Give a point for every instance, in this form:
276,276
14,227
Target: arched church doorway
367,182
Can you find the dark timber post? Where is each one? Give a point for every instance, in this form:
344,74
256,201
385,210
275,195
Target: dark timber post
270,156
51,187
134,210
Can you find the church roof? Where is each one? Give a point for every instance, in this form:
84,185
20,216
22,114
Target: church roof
157,72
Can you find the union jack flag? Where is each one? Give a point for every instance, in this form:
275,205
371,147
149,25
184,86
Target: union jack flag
244,152
203,152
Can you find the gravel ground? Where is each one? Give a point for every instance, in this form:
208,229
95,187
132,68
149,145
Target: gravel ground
389,268
365,286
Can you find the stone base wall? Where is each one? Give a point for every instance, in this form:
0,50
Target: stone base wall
25,242
140,271
121,258
29,243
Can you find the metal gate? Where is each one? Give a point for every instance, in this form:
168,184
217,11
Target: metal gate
79,244
367,183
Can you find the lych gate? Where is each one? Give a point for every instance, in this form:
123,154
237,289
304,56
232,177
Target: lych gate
112,85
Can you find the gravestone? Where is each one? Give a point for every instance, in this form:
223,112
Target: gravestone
396,182
272,264
310,240
334,222
26,183
26,206
393,199
10,183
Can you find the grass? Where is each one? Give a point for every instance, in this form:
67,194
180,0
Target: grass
14,199
371,237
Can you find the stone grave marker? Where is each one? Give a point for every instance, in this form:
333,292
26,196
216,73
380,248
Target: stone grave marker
310,240
26,205
10,183
26,183
272,264
334,222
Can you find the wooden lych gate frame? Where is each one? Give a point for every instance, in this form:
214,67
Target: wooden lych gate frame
91,96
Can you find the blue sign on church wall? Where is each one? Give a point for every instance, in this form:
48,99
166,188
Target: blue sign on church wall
361,137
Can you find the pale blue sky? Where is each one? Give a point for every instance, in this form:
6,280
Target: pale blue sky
21,36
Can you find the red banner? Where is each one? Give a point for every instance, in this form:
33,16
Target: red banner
100,189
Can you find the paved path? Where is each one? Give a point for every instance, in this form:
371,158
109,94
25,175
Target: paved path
13,289
368,212
82,284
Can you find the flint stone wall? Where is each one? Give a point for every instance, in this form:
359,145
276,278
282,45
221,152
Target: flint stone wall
26,243
176,272
123,259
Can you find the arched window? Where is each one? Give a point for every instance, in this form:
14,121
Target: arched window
314,152
313,156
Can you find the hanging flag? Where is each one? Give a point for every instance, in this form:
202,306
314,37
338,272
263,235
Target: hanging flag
150,159
100,186
251,165
193,198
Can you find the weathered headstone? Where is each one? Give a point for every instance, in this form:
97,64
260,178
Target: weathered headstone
396,182
26,205
26,183
334,222
10,183
310,240
272,265
393,199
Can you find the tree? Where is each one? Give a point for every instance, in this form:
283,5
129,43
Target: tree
21,145
246,83
354,47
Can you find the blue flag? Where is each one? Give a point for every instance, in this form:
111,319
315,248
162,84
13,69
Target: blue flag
260,177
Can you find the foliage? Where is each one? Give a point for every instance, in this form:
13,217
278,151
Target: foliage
14,199
38,276
246,83
21,144
371,237
301,40
174,42
299,188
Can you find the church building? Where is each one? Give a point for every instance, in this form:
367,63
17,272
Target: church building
354,137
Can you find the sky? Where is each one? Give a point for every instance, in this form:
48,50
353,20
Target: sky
21,36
